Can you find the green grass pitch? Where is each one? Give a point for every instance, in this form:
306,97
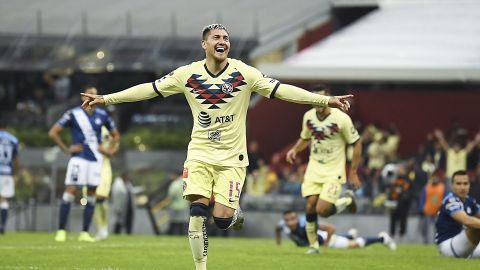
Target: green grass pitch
39,251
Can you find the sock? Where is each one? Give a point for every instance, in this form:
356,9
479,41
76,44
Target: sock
373,240
64,210
88,213
197,234
342,203
100,215
3,214
311,230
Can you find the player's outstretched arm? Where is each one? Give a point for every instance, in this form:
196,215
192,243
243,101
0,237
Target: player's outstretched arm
136,93
298,95
441,139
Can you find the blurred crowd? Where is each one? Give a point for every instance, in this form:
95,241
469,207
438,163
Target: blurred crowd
437,158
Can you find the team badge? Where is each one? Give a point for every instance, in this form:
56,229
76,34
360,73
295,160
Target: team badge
227,88
98,121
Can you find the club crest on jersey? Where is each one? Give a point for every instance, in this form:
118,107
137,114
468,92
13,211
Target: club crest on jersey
227,88
98,121
214,135
204,119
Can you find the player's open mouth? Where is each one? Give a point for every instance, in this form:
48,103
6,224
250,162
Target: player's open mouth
220,49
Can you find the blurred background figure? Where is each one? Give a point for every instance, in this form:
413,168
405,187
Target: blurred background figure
9,169
399,200
178,208
123,204
430,202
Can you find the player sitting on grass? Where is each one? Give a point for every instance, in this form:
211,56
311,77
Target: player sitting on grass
458,222
294,227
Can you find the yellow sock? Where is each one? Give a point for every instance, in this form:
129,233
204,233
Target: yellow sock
100,215
197,236
311,229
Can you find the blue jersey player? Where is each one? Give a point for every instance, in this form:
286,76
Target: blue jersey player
295,228
8,170
85,165
458,222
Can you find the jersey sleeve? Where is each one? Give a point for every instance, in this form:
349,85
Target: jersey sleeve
349,132
306,133
66,119
171,83
262,84
453,206
109,123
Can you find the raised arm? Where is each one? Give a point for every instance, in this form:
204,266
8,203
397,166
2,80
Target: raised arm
299,146
441,139
472,144
136,93
298,95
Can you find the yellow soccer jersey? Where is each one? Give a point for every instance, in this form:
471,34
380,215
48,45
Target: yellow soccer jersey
329,139
106,140
219,104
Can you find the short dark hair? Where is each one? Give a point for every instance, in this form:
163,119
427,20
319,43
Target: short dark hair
286,212
320,87
86,87
460,172
210,27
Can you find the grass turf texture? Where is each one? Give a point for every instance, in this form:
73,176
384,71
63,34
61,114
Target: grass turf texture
39,251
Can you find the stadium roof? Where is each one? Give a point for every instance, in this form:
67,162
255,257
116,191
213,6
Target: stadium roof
147,18
409,41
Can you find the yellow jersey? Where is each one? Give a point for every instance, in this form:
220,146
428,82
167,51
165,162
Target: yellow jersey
329,138
456,161
219,104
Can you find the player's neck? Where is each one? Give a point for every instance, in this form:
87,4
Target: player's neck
215,66
321,116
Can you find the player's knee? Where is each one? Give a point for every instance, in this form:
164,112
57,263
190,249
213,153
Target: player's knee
198,210
223,223
324,211
68,197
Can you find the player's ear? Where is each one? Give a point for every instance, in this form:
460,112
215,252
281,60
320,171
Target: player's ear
204,45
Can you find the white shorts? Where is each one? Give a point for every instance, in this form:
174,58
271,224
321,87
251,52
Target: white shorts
7,187
458,246
338,241
81,172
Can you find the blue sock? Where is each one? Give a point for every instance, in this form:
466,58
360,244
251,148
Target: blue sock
373,240
87,216
3,215
64,210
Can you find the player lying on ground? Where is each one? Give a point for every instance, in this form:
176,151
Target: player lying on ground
294,227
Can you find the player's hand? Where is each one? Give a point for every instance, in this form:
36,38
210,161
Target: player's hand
105,151
340,102
291,156
91,101
75,148
354,181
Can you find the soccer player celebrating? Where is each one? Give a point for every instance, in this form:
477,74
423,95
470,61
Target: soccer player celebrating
218,91
294,227
327,131
111,147
85,165
9,166
458,222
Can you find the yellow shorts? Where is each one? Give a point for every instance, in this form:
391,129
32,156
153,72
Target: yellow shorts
105,185
328,191
225,183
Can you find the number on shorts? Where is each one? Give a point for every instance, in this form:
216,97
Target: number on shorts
237,189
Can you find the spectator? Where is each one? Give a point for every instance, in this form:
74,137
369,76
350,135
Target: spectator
123,204
254,156
399,199
430,202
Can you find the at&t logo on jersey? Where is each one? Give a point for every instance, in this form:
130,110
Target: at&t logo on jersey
204,119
